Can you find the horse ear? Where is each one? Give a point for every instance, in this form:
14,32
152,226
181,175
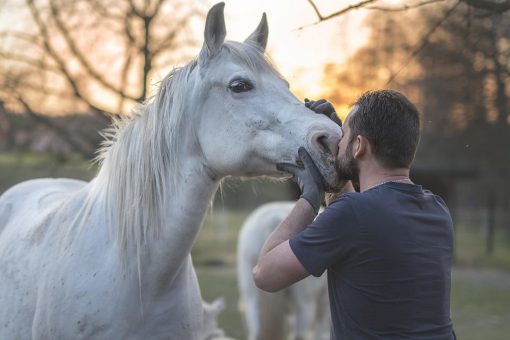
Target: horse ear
259,36
215,31
218,305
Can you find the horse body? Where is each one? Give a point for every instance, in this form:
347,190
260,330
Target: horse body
267,314
100,299
110,259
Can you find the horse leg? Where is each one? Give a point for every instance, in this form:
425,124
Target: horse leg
273,315
252,317
323,319
305,311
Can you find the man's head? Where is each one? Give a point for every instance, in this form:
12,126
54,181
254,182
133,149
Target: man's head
383,124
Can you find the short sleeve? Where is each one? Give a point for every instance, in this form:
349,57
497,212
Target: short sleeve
328,240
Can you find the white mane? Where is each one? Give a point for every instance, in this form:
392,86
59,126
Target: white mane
138,161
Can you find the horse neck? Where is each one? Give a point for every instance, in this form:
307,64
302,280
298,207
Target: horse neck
181,223
157,194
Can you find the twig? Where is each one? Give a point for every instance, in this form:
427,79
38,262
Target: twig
404,7
80,57
424,42
62,133
60,63
498,7
335,14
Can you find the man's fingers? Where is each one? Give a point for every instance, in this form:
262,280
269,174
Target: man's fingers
325,108
317,103
334,117
310,165
306,158
288,167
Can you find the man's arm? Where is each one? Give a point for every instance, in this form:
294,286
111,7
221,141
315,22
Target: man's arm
278,267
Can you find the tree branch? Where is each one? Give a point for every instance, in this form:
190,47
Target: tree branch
404,7
124,75
423,43
493,6
32,39
37,63
62,133
81,58
335,14
157,7
60,63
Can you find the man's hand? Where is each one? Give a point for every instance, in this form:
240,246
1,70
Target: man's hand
324,107
308,177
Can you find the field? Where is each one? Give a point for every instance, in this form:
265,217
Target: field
480,287
480,295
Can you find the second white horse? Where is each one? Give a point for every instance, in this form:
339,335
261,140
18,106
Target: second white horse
305,304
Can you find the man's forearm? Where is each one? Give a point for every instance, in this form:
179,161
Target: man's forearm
299,218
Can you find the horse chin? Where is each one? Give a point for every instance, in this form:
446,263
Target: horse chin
333,184
331,180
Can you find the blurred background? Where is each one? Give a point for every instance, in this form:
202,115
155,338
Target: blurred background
67,67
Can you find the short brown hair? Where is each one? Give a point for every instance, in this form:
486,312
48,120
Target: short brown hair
391,124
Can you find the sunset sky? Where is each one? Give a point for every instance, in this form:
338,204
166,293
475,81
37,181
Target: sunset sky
299,54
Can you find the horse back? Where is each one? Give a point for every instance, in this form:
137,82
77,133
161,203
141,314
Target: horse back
37,194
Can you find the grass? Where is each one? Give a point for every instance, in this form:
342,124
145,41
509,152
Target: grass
480,299
480,305
18,167
470,249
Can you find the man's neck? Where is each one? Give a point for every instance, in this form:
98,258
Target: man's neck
373,175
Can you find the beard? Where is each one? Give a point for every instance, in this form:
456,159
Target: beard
347,167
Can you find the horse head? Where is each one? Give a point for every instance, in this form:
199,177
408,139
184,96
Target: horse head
248,120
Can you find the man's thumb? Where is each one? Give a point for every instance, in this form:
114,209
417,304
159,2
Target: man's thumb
288,167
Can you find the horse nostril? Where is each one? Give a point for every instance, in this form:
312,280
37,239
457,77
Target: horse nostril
322,142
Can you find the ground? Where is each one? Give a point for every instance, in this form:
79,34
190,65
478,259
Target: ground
480,301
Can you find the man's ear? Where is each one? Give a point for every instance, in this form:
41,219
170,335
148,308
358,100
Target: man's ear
360,147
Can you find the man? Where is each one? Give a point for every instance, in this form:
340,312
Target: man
387,249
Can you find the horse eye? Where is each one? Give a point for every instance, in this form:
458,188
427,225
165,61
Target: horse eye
239,85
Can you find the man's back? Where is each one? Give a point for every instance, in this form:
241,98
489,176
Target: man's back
388,252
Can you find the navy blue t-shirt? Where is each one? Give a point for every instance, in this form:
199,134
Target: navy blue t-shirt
388,252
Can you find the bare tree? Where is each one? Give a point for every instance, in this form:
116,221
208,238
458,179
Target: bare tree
483,8
95,56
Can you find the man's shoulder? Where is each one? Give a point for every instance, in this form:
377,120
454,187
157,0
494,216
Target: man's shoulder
341,208
345,198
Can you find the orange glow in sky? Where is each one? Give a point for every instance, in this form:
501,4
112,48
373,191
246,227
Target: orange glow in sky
300,55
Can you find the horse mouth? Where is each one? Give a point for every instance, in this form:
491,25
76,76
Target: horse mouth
325,163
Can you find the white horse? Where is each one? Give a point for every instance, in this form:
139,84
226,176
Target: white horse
267,315
110,259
